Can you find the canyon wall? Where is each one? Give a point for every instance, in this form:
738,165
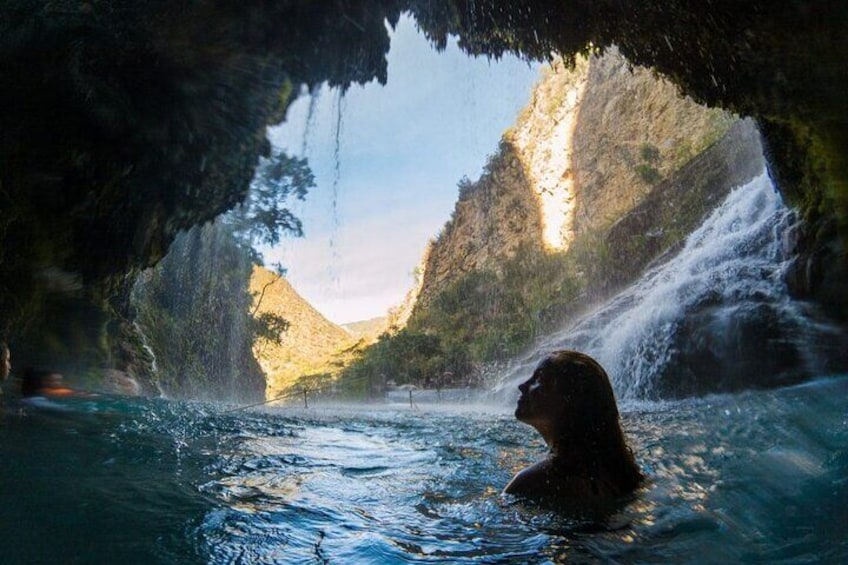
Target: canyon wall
595,142
124,123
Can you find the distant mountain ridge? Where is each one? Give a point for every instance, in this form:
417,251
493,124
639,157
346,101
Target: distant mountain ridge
310,342
367,329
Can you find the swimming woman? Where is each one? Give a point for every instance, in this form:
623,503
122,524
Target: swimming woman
570,401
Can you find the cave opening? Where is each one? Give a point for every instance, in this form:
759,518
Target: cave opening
695,247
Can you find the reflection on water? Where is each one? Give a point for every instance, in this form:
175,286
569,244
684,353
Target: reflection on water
749,477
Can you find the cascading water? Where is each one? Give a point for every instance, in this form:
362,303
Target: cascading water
193,313
716,317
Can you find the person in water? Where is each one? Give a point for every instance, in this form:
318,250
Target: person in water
45,384
5,362
570,401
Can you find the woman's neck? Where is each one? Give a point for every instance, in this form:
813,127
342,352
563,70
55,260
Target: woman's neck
567,447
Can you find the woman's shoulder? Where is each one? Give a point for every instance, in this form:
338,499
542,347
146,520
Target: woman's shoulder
532,480
563,486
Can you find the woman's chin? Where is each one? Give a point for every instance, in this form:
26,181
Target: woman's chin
520,411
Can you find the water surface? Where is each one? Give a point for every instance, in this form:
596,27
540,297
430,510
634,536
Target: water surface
752,477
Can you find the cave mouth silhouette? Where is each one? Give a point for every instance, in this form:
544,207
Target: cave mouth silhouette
124,123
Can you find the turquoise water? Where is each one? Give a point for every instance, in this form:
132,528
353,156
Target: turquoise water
750,477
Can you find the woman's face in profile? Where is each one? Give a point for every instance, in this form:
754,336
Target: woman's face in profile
538,403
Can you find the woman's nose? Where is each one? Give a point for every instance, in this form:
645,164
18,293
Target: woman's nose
523,387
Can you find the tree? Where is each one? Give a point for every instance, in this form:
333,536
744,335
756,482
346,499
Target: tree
195,306
263,218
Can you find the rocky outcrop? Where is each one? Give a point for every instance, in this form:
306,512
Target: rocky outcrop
124,123
492,219
596,141
779,63
676,206
633,131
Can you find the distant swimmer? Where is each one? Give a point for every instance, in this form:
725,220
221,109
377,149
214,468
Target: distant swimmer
5,362
570,401
46,384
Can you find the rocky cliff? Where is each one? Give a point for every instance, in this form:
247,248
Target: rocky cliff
606,169
594,143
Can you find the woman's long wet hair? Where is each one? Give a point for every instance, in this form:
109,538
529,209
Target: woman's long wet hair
589,430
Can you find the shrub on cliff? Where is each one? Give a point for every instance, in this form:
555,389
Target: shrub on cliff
482,317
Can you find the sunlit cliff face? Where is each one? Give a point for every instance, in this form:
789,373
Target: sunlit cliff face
547,141
596,138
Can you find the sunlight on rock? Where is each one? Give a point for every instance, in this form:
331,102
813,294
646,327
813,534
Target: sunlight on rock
544,137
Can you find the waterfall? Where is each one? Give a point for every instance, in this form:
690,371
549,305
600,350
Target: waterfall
193,313
717,317
154,363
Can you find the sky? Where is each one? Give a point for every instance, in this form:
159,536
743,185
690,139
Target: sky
387,160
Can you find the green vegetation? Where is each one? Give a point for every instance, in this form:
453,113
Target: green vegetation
195,306
481,318
649,153
648,173
263,218
192,308
647,170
